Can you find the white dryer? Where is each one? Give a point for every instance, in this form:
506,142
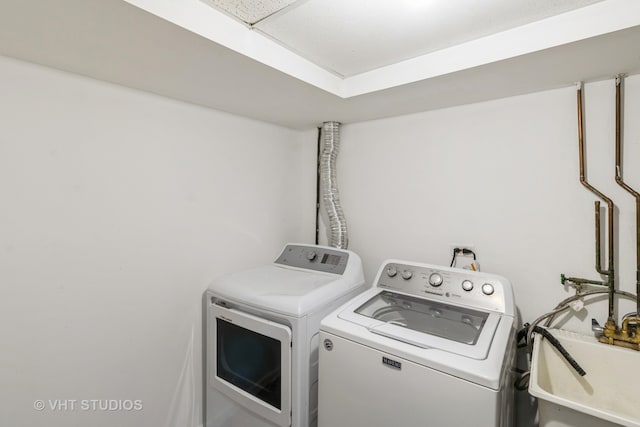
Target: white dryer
262,336
426,346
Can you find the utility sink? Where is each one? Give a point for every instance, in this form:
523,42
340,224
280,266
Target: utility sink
608,395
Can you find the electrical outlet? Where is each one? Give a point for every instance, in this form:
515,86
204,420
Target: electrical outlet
464,260
461,246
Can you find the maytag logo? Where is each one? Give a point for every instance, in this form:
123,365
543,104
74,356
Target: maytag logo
392,363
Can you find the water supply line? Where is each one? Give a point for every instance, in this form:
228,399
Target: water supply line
621,182
328,155
629,334
609,272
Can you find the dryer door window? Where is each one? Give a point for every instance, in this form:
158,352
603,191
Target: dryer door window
251,362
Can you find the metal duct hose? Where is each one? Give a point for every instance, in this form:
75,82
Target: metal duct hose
337,224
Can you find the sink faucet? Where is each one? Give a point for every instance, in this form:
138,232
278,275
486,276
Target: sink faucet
595,327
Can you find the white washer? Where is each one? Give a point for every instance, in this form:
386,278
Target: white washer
262,336
427,345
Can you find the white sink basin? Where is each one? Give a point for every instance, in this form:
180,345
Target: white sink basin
606,396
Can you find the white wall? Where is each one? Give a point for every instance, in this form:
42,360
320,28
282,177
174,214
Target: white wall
503,176
118,208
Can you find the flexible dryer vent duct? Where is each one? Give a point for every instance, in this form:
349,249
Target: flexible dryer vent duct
328,155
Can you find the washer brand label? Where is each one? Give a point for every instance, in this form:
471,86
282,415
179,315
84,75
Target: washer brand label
392,363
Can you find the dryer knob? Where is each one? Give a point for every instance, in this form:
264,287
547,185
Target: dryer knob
407,274
391,271
435,279
487,289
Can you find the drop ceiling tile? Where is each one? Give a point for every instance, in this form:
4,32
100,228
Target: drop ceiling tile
355,36
250,11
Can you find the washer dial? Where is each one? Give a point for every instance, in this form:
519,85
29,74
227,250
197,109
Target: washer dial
487,289
467,285
435,279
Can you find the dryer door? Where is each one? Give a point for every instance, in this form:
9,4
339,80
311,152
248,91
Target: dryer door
251,362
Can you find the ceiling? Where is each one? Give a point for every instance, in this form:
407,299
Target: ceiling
356,36
349,62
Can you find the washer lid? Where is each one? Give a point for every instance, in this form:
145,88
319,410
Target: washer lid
427,323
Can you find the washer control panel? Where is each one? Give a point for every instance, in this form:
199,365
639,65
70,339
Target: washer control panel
452,285
317,258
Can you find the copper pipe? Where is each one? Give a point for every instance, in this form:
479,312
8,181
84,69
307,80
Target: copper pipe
610,267
626,187
598,241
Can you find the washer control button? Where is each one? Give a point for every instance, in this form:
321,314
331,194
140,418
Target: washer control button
435,279
467,285
391,271
487,289
407,274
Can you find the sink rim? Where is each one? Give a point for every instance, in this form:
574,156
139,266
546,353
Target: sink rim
538,391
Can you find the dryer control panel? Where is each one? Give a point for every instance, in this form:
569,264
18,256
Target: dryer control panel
317,258
447,284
